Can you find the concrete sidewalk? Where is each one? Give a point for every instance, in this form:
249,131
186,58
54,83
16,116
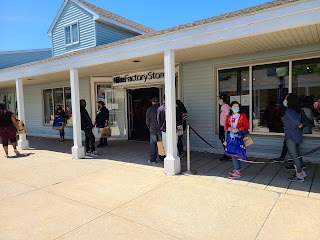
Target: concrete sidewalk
46,195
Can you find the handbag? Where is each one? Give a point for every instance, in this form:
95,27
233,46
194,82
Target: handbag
58,123
235,146
247,139
305,120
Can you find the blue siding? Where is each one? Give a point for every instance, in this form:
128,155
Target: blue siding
71,13
107,34
11,59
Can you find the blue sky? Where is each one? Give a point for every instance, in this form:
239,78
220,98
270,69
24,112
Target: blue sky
24,23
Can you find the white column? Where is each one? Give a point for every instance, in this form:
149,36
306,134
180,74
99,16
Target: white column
77,149
172,161
23,143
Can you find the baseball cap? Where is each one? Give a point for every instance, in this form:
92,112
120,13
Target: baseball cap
155,99
224,97
101,102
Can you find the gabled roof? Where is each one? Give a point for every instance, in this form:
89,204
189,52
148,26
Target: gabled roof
104,16
214,19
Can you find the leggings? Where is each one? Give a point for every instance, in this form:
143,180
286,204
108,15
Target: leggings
293,149
8,133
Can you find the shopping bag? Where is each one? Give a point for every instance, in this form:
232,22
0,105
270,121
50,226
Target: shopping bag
21,128
235,146
248,140
58,123
105,132
160,148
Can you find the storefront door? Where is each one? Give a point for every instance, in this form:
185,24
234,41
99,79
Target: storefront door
139,100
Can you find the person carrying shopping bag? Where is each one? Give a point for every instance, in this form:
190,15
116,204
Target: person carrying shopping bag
236,123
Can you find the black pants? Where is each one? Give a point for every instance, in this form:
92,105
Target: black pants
90,140
180,145
284,150
62,133
222,135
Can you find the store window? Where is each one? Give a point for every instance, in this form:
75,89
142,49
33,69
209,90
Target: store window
57,97
270,86
235,84
306,84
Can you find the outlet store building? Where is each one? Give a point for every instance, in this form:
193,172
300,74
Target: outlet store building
255,55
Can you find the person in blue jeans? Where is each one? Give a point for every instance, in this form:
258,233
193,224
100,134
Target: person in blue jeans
154,129
293,134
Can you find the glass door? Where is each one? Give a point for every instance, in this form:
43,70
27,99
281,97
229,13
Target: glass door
116,104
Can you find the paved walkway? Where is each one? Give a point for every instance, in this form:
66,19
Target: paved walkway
46,195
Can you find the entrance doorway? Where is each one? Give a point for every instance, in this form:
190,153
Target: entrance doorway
139,100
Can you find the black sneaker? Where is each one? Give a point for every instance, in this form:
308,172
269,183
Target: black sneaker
278,160
294,178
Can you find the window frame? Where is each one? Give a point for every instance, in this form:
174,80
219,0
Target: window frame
71,34
251,64
53,103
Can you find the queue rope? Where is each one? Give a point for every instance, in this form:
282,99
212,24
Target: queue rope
249,161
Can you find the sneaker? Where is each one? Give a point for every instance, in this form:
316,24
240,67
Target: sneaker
236,174
291,167
279,159
152,162
6,155
303,174
88,153
294,178
95,154
233,171
16,152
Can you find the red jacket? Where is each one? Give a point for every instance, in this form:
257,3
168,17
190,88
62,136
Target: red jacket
242,125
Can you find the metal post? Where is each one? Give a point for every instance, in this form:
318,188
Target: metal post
189,171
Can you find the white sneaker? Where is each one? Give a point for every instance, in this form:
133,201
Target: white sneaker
16,152
6,155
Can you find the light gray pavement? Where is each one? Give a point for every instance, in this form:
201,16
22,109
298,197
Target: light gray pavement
44,194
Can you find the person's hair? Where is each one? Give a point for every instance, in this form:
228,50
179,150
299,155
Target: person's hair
3,108
293,102
82,101
231,104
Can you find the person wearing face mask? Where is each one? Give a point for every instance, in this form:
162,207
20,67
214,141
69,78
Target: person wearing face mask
61,113
293,134
236,122
224,112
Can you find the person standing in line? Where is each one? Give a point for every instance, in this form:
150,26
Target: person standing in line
161,118
7,129
87,126
293,134
102,121
224,112
61,113
154,129
184,116
236,122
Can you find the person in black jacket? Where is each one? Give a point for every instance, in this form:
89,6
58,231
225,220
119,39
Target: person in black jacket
87,126
61,113
154,129
184,115
102,120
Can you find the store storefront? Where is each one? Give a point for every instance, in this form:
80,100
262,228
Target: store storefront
127,98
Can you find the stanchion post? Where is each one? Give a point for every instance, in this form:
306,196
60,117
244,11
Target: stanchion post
189,171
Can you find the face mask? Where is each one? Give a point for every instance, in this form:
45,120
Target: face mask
235,109
220,103
285,103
